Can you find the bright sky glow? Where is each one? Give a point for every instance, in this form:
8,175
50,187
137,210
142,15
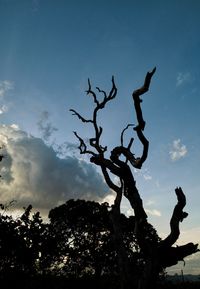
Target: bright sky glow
49,49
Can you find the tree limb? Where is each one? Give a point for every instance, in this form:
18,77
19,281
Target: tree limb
80,117
136,97
95,141
82,146
122,133
170,256
177,217
139,161
141,123
108,180
90,91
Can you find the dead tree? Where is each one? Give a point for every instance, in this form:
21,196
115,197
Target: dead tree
157,255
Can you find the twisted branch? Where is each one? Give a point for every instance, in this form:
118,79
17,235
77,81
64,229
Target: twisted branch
122,133
141,123
177,217
137,100
82,146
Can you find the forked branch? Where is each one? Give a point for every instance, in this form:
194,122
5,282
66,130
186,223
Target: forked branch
95,141
82,146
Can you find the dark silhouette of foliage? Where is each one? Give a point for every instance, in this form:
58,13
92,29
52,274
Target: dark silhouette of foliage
20,242
77,242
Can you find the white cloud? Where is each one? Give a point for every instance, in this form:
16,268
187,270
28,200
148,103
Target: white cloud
178,150
129,212
32,173
5,86
153,212
110,198
144,173
14,126
3,109
147,177
183,78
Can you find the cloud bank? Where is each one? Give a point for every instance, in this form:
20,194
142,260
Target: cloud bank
32,173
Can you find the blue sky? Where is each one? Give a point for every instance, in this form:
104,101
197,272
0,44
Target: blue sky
49,49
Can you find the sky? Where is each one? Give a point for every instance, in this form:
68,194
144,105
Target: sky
48,51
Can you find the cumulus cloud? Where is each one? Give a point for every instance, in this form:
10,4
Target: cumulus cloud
178,150
66,148
183,78
32,173
45,126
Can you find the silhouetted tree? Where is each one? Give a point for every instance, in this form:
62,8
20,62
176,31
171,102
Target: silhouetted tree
157,254
83,232
85,240
20,243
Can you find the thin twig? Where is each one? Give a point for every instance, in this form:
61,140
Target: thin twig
80,117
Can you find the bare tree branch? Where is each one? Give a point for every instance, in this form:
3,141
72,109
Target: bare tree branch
170,256
80,117
177,217
139,161
82,147
122,133
95,141
141,123
90,91
102,91
108,180
136,98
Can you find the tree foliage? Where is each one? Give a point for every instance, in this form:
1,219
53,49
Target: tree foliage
78,241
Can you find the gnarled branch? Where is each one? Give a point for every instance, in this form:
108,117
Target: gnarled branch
170,256
136,98
177,217
122,134
82,146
